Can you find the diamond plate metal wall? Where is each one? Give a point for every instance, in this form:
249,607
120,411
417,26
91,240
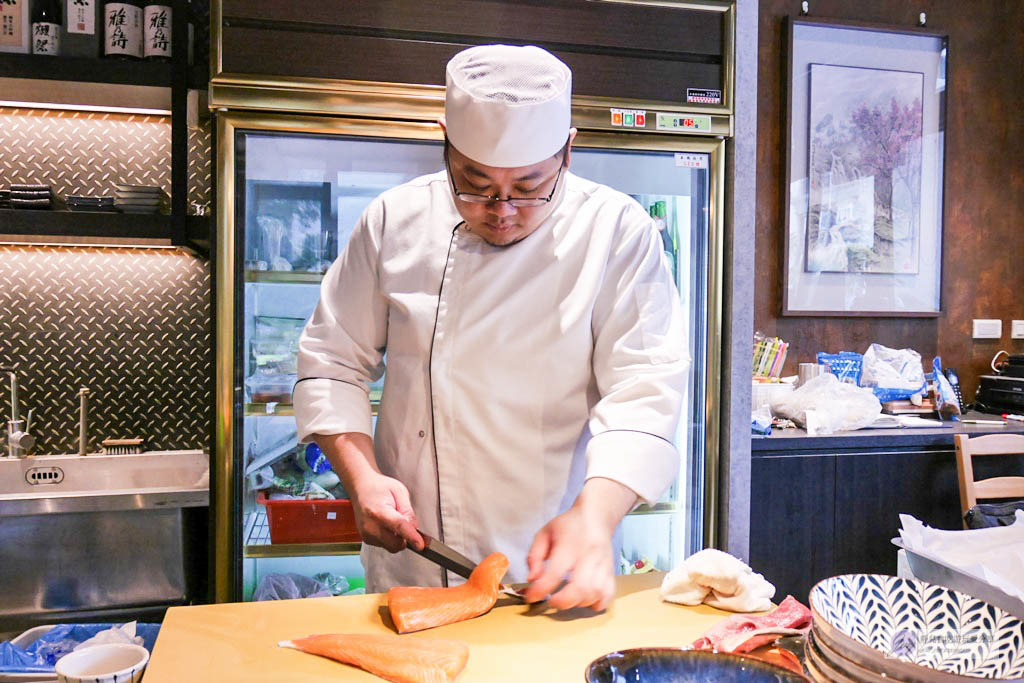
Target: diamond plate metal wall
82,152
132,325
200,169
87,152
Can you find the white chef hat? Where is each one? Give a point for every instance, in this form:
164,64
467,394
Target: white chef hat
507,106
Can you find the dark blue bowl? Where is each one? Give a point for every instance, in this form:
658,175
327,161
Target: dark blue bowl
672,665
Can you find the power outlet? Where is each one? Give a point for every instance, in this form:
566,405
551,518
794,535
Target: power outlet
988,329
1017,329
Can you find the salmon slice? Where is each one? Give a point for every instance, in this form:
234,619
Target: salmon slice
393,658
414,608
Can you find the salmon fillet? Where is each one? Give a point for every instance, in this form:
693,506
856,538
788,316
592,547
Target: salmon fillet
393,658
415,608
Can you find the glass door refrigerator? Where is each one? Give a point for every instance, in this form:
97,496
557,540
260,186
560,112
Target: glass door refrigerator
292,188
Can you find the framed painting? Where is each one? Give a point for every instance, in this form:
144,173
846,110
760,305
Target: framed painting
863,186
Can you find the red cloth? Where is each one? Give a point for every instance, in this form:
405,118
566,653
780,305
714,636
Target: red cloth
789,614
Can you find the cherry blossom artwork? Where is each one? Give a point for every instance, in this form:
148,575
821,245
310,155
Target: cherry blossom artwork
864,170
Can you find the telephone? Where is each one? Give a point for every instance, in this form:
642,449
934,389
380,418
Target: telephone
955,381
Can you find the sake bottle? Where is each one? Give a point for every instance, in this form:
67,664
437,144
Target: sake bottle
46,27
156,21
122,29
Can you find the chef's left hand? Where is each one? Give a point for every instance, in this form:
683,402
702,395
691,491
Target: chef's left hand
577,546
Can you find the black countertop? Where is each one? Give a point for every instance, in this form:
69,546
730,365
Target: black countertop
792,440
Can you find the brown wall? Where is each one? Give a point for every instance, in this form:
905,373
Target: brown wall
983,268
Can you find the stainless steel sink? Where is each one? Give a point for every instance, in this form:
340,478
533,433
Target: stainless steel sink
78,483
100,537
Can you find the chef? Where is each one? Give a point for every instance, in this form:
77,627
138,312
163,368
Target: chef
533,340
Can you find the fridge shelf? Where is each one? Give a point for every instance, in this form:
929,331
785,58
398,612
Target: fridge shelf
283,276
269,410
258,545
656,509
287,409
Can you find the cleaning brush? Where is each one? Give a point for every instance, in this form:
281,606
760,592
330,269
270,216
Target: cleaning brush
121,446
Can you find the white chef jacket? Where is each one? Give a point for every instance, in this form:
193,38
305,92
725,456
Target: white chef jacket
513,373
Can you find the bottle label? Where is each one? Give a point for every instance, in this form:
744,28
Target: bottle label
81,16
157,20
45,38
122,30
13,30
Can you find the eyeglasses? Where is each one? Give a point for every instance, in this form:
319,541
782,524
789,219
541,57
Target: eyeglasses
518,202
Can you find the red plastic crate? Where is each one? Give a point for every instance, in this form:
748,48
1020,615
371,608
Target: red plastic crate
310,521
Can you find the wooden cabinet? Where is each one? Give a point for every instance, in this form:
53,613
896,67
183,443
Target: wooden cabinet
822,507
792,508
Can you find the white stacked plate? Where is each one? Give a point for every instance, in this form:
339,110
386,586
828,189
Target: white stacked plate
872,627
139,198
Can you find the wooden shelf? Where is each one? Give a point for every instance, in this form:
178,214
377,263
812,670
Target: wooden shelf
109,227
101,227
86,69
96,70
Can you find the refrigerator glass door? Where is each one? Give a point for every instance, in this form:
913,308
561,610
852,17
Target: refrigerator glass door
674,186
299,196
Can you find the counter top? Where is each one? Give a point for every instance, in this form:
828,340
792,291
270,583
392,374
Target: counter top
238,641
939,438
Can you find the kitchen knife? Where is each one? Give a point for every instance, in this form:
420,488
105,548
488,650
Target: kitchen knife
454,561
446,556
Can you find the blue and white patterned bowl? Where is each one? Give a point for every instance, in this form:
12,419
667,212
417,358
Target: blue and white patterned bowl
916,631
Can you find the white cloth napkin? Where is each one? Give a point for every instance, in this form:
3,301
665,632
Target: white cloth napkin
720,580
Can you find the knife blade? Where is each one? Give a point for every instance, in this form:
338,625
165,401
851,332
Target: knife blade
454,561
446,556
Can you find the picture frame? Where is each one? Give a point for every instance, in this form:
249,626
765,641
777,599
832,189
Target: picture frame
865,151
289,226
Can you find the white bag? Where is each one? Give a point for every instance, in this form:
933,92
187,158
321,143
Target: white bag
824,405
897,373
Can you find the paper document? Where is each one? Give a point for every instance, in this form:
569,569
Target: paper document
896,421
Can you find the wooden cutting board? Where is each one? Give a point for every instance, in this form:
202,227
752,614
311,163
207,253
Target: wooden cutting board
513,642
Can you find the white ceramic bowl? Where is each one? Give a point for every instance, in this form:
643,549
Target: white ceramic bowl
916,631
106,663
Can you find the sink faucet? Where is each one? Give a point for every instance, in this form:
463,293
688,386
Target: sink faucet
83,411
18,441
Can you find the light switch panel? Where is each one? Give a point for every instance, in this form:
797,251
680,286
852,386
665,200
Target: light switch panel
988,329
1017,329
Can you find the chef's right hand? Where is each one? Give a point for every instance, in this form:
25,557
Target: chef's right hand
384,512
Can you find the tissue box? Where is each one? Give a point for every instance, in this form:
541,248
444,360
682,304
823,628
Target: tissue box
766,392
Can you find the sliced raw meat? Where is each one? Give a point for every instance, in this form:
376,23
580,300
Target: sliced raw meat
402,660
745,632
415,608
